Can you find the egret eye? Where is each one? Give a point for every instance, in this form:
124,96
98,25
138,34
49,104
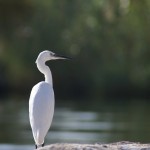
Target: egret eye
52,54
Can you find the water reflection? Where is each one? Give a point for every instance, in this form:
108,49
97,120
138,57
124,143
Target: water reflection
108,122
15,147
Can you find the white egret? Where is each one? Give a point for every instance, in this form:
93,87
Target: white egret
41,102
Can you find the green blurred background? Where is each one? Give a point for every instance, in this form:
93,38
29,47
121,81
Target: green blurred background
102,94
109,42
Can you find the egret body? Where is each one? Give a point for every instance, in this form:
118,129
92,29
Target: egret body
41,102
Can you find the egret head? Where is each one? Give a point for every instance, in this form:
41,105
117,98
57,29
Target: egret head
48,55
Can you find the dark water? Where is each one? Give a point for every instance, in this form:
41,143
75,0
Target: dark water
77,121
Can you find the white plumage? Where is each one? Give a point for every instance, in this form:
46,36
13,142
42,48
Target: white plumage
41,110
41,102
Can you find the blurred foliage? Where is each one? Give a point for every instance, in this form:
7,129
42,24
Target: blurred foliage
109,41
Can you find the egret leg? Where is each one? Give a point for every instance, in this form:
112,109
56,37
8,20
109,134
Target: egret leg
36,146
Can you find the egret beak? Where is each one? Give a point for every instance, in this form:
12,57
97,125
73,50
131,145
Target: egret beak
61,57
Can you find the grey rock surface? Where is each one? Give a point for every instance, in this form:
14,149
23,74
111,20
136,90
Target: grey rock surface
124,145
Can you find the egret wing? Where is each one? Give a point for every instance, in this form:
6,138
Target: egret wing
41,110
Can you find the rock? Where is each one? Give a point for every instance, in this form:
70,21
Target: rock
124,145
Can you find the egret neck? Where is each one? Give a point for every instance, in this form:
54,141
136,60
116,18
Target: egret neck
43,68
